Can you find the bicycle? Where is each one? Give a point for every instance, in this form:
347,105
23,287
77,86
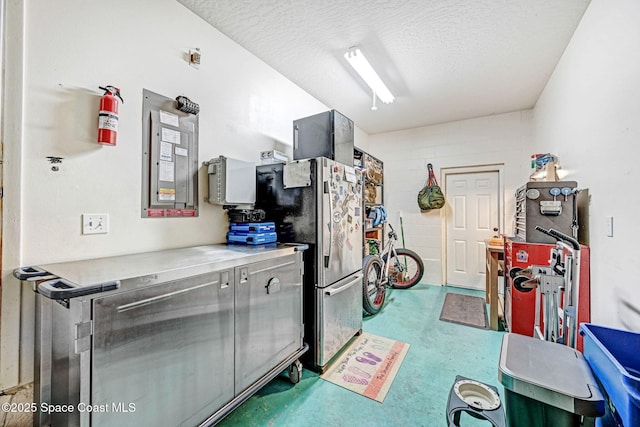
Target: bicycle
399,268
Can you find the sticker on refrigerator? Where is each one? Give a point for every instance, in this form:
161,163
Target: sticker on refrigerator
348,243
350,174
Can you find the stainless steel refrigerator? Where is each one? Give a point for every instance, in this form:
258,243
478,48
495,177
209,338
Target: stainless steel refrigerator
319,202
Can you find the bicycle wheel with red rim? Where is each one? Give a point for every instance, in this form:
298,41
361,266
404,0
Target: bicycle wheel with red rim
406,269
373,290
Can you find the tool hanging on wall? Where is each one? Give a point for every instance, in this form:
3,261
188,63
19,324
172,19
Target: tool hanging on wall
186,105
108,115
431,195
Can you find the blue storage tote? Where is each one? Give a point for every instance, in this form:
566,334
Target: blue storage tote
614,357
253,227
251,238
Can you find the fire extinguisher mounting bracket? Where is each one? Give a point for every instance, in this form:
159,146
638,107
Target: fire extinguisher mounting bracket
54,159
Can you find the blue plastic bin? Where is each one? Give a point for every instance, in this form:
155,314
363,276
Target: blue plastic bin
251,238
253,227
614,357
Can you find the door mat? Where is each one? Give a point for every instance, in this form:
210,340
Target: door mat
465,310
368,366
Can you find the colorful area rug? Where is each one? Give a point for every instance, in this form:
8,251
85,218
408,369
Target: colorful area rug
465,310
368,366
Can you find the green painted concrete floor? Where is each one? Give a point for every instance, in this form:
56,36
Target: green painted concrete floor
418,397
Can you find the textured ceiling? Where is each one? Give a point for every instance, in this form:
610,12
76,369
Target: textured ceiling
444,60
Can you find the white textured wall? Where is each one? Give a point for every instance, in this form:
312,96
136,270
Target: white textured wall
589,115
501,139
70,49
245,107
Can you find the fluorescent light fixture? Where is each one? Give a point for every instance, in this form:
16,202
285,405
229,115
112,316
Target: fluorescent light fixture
368,74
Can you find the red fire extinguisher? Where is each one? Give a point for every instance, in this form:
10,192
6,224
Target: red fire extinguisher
108,116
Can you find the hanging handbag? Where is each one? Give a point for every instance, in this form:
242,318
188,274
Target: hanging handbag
431,196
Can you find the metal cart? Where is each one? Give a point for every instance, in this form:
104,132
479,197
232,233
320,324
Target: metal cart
175,337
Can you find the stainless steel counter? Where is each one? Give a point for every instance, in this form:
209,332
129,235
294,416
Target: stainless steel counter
186,336
143,268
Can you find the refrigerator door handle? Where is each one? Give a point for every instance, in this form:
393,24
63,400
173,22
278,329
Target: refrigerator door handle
295,137
327,194
343,288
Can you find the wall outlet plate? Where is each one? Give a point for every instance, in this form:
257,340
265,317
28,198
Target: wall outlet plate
95,223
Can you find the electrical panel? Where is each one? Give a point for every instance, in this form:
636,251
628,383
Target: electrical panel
170,158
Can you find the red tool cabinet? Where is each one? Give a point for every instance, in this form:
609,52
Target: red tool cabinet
520,307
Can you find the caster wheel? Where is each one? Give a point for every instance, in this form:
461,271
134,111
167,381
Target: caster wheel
295,372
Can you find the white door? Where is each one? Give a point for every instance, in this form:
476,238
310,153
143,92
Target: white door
472,215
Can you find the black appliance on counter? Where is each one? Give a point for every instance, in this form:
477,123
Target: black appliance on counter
319,202
329,134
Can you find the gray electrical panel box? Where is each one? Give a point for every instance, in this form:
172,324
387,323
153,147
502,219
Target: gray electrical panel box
169,160
231,182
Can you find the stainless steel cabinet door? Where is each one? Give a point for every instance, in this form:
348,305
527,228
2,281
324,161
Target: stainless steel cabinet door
163,355
269,324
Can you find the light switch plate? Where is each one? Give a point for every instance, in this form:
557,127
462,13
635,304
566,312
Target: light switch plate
95,223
